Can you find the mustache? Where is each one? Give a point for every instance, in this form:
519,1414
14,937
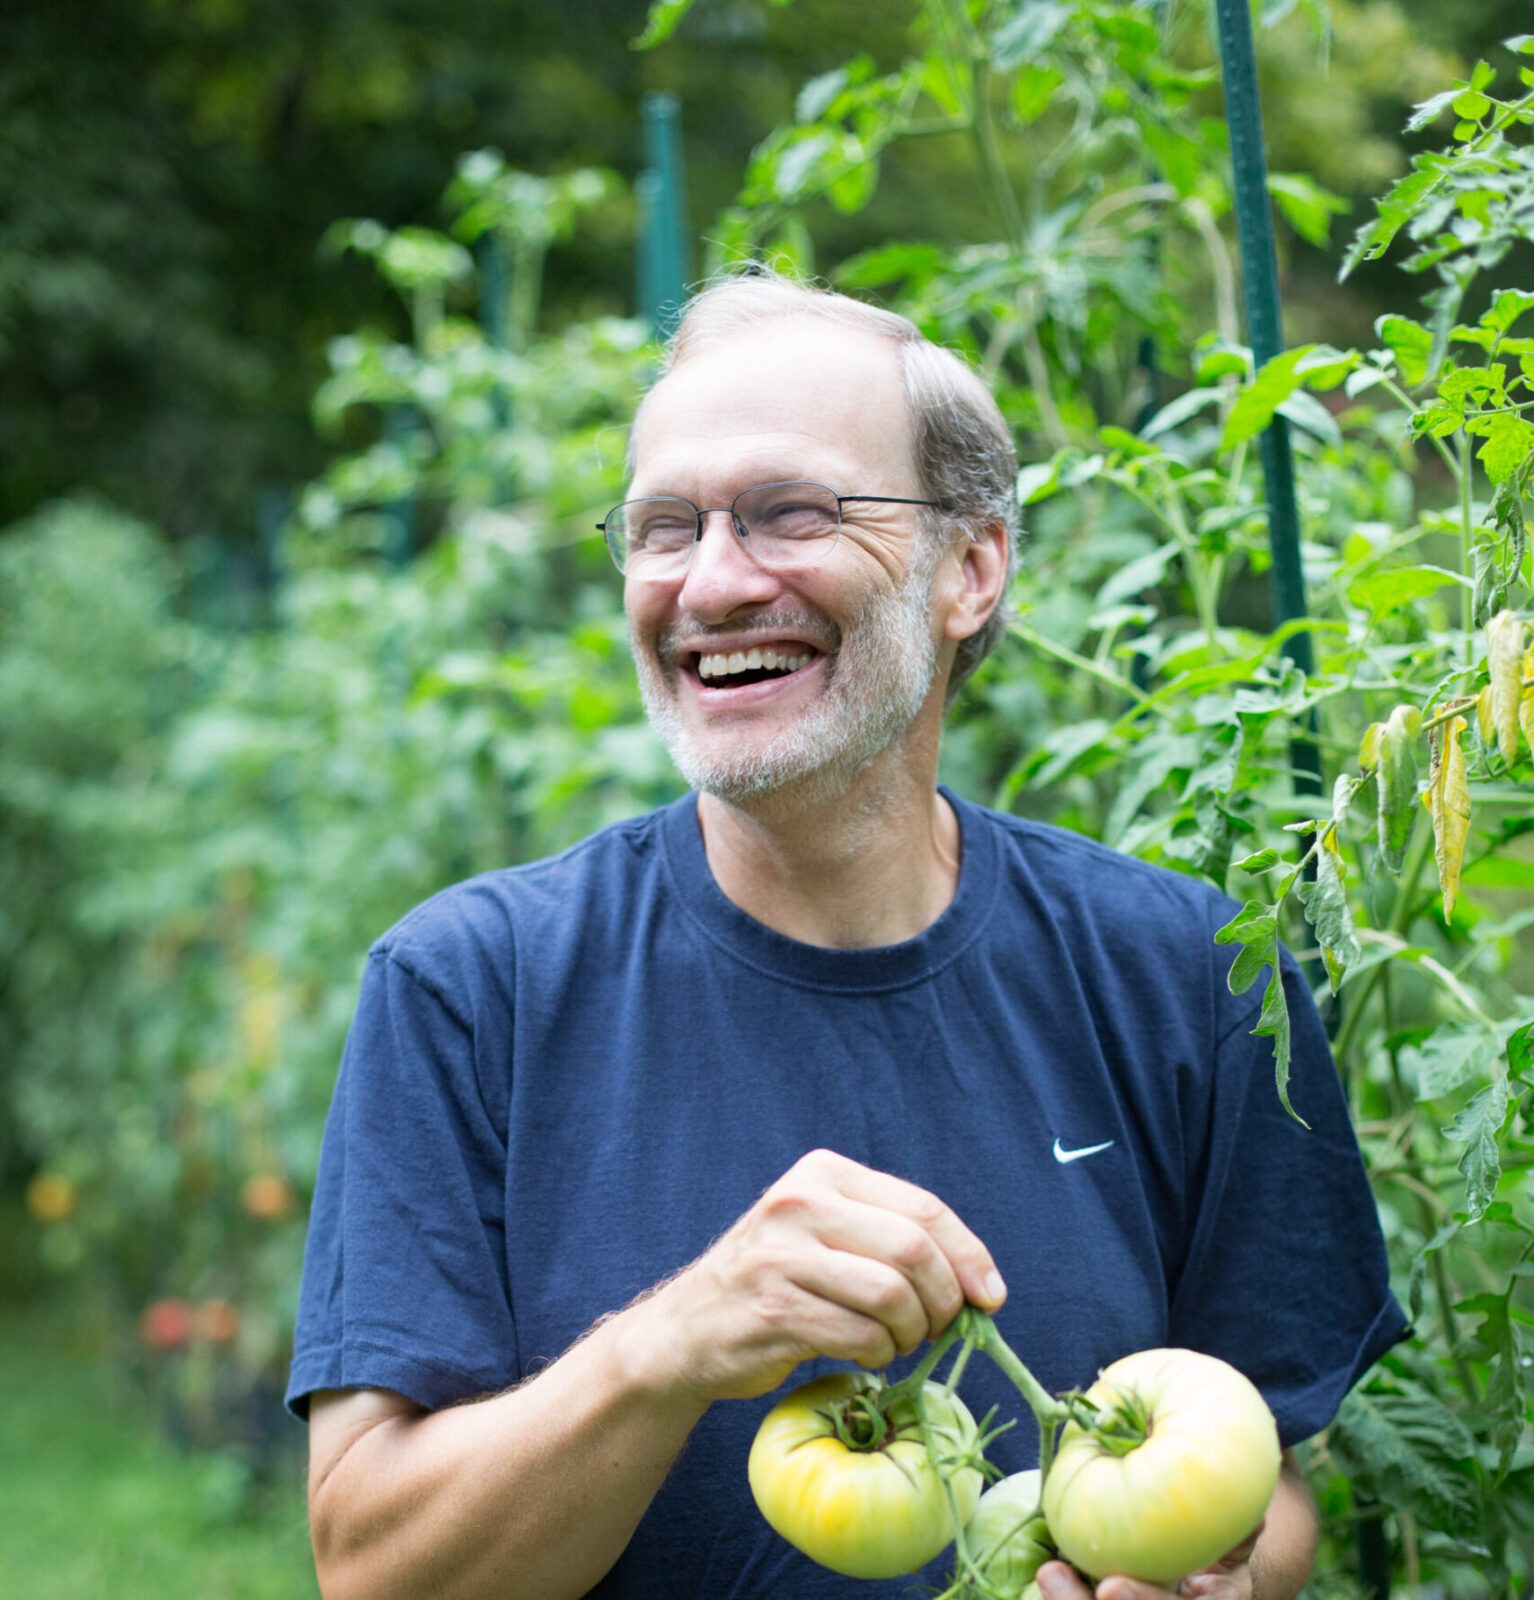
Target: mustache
681,639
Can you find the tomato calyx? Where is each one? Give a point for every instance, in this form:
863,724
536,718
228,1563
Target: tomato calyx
1118,1429
863,1421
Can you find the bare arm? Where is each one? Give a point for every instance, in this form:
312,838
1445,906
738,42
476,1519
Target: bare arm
1273,1565
537,1491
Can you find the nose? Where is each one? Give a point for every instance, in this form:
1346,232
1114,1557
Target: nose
722,576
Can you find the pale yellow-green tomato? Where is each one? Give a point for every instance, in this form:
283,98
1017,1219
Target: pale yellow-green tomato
1194,1489
874,1513
1007,1537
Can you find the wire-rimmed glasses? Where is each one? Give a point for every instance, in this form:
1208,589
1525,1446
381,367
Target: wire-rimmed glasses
791,524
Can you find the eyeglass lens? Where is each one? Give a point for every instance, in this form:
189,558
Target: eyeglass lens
783,523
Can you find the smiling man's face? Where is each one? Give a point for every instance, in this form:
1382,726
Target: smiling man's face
757,680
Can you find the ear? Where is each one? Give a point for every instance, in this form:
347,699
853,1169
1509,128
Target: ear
981,572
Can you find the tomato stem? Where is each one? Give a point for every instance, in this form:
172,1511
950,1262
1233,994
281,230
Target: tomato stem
987,1337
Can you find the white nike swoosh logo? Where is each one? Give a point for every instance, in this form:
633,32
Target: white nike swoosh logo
1062,1155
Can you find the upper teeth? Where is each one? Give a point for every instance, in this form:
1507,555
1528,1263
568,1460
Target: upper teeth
719,664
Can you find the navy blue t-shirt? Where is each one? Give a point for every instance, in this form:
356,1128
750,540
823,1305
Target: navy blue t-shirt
565,1079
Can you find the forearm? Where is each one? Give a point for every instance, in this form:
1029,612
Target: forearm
533,1492
1283,1557
536,1492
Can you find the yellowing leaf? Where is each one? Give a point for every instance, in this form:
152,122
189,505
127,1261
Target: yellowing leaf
1504,664
1391,748
1369,745
1526,702
1448,798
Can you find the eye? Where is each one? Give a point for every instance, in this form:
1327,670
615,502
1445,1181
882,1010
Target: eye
666,525
793,511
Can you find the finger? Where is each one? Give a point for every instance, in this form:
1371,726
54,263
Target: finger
1057,1580
876,1261
876,1291
966,1257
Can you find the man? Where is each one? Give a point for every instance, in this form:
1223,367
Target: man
784,1074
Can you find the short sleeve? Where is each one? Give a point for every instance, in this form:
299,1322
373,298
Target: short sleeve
1286,1275
405,1281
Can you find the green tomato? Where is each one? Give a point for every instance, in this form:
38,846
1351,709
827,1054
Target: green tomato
1194,1488
873,1509
1007,1537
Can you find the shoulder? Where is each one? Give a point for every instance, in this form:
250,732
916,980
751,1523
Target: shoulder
1090,879
1138,939
479,924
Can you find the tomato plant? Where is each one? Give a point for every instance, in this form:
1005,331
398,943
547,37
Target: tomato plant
840,1468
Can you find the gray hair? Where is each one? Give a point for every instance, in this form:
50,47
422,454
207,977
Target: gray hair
965,457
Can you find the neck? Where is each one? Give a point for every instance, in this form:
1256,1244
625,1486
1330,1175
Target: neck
872,866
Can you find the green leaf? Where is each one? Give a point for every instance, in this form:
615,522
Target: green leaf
1027,33
1327,911
1509,442
1124,442
1255,929
1445,302
662,22
1323,366
1507,306
1038,480
1404,1448
1273,1022
1430,110
1520,1052
1175,412
816,97
1307,413
1505,1398
1306,206
1410,343
1177,158
1260,861
1454,1054
1276,380
1216,359
1133,579
1033,91
1064,748
1417,1279
1392,588
1396,209
1477,1127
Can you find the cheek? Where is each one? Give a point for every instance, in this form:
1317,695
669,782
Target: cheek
643,613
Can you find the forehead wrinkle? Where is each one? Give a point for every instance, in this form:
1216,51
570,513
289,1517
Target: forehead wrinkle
752,385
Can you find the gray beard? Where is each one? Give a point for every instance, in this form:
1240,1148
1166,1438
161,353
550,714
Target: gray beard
880,676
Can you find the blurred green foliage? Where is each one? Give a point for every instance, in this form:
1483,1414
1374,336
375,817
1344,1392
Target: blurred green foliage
203,825
171,167
99,1503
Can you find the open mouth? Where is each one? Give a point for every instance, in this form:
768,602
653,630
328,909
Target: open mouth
739,668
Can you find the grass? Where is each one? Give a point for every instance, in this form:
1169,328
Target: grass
96,1503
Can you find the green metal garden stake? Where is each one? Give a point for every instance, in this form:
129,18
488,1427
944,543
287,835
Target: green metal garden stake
1259,272
662,193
